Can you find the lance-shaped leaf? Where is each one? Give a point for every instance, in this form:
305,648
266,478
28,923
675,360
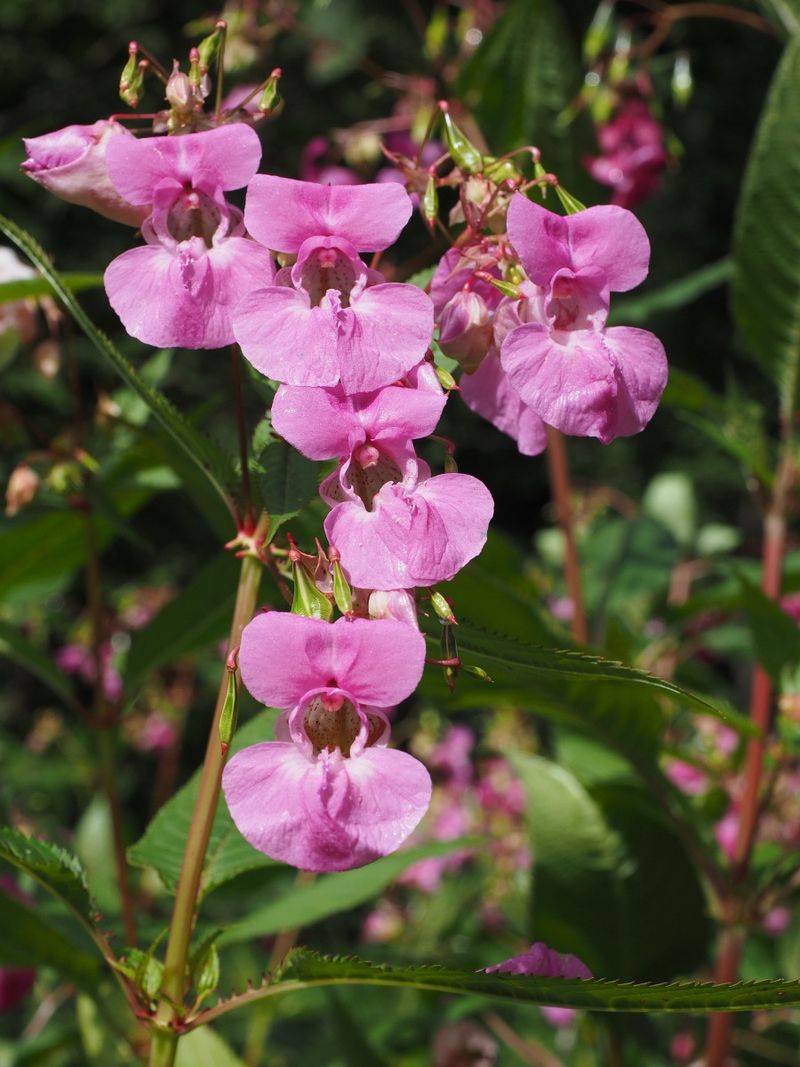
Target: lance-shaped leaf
307,970
204,454
766,250
56,869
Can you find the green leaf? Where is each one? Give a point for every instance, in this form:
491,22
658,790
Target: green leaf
783,14
766,250
29,940
162,844
512,663
25,288
55,868
288,484
521,77
16,647
204,454
637,310
775,634
198,616
306,970
331,893
205,1048
612,882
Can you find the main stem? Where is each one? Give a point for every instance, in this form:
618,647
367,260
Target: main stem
732,940
173,986
561,489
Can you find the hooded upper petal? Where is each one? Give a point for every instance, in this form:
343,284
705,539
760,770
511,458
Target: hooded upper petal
282,213
329,813
284,656
224,158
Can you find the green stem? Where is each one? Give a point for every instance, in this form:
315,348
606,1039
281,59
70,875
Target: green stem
173,986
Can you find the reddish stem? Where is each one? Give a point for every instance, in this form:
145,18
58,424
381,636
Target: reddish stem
558,467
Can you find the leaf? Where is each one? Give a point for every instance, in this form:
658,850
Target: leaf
29,940
16,647
775,634
331,893
521,77
55,868
204,454
783,14
198,616
162,844
766,248
205,1048
305,970
288,484
25,288
612,882
637,310
511,662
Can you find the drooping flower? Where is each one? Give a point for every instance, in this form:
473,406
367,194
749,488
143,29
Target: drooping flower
71,164
575,373
539,961
182,285
328,794
633,156
330,319
414,532
78,659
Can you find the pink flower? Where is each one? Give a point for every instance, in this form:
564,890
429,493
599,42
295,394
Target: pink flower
452,757
688,778
393,604
328,795
181,286
330,319
78,660
569,368
451,822
543,962
633,154
488,392
726,832
558,1017
312,169
412,533
328,423
71,164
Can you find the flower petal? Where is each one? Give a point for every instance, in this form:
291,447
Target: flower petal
489,393
641,373
286,339
382,335
281,213
542,962
284,656
611,241
330,814
539,237
184,298
227,157
570,383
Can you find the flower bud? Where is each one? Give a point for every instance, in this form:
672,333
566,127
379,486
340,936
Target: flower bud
465,155
465,329
21,488
132,77
179,89
71,164
393,604
308,599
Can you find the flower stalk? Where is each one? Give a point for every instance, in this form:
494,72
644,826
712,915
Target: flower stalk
173,987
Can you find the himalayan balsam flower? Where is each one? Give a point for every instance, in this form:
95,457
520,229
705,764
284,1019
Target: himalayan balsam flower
633,154
181,286
71,164
330,319
543,962
575,373
328,794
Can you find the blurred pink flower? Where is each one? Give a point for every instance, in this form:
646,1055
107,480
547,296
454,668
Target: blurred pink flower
542,962
560,1018
633,154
